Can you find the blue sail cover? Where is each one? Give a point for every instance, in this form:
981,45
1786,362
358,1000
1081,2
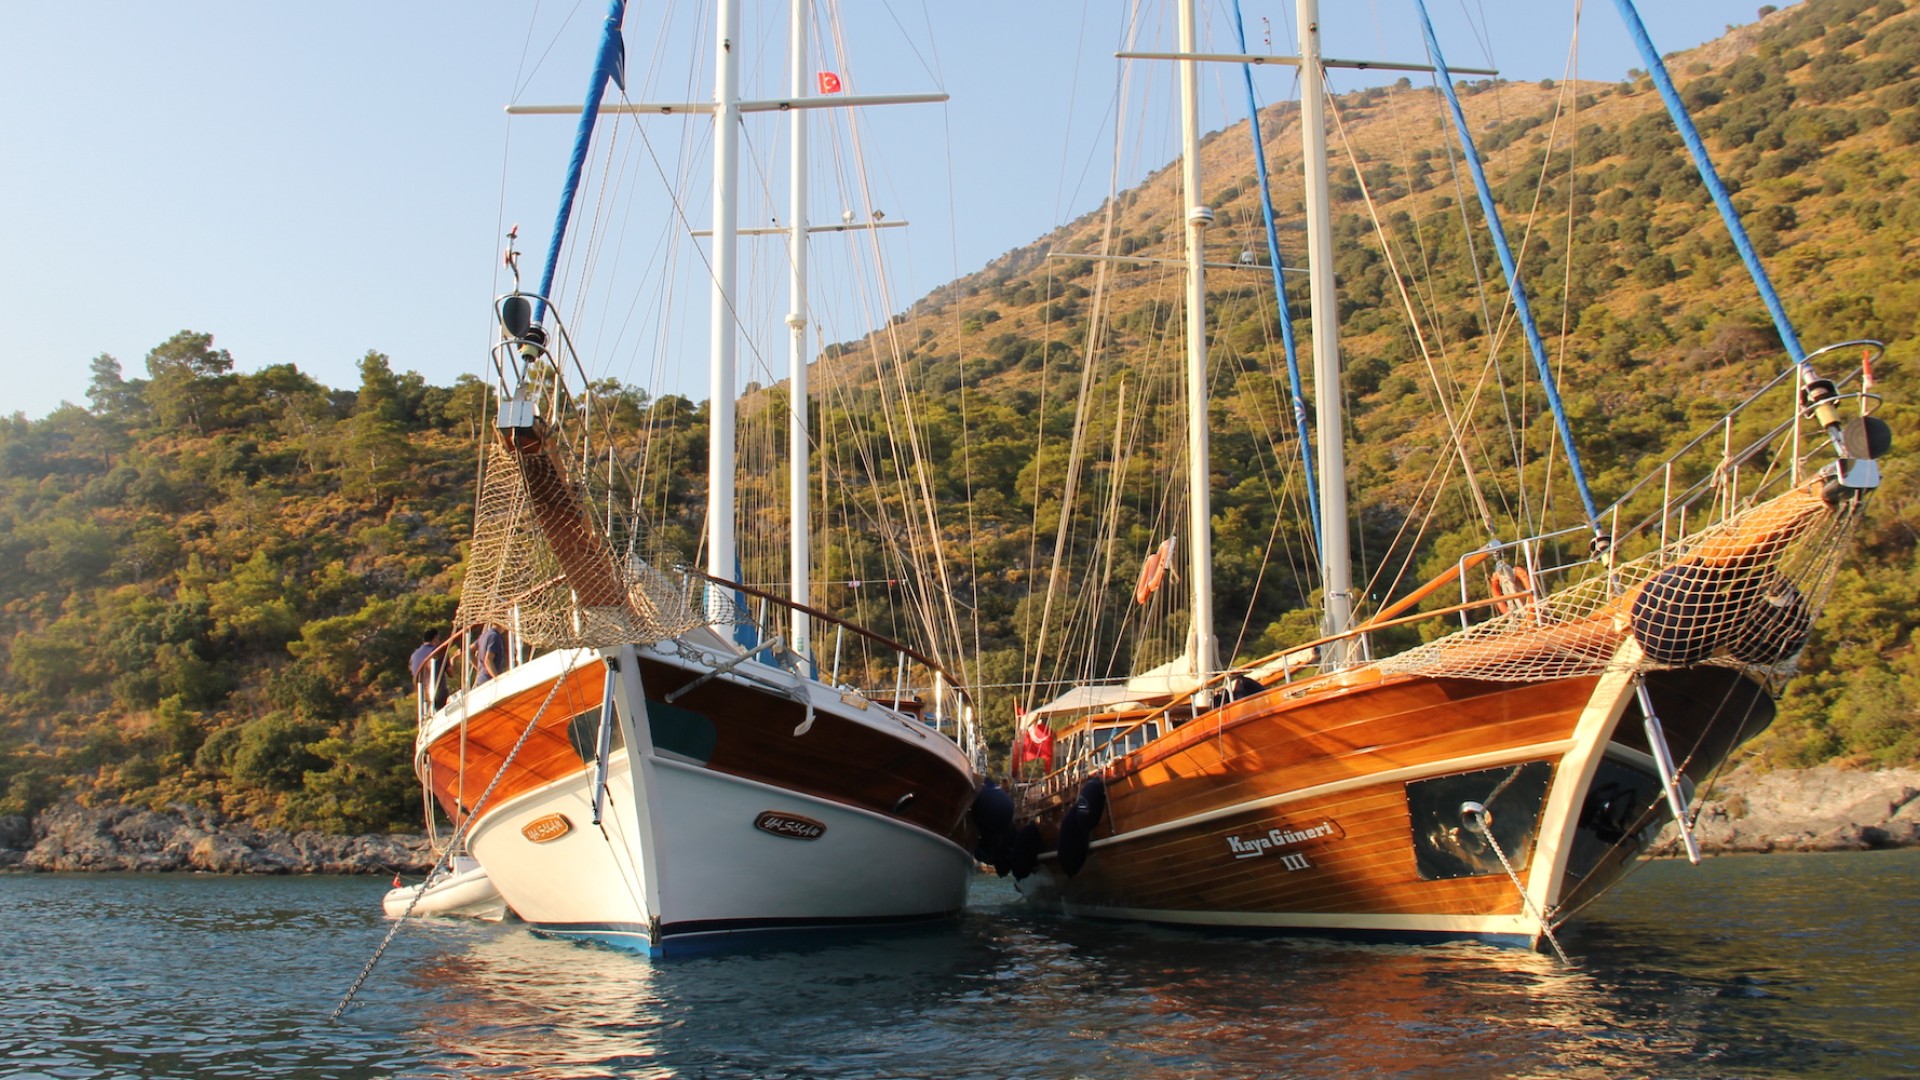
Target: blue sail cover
609,66
1507,264
1711,177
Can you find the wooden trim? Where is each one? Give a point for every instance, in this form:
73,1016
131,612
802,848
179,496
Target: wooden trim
1452,573
1560,818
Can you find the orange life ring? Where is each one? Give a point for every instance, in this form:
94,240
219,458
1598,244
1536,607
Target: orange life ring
1154,571
1518,585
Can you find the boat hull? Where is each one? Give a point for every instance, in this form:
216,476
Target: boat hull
1337,810
727,817
719,878
467,892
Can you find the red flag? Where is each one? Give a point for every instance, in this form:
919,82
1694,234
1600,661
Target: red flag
1035,743
829,83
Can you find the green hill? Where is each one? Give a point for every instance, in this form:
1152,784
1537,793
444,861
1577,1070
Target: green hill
210,581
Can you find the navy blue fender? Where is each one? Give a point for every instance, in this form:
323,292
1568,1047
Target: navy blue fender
1076,825
992,814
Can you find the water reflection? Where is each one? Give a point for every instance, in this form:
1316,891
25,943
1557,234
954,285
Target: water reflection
1774,966
1663,987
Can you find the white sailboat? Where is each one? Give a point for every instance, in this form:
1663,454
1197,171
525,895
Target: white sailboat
655,766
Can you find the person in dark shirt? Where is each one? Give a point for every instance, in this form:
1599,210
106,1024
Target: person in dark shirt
490,654
417,663
420,666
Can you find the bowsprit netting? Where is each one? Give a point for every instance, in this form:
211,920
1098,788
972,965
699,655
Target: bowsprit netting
560,573
1742,593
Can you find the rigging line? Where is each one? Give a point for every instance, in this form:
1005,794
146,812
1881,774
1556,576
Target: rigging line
1703,163
968,658
1427,292
1436,478
1083,635
1393,266
1514,285
1277,476
1123,77
1081,412
522,77
1279,285
1572,78
1533,217
915,438
605,69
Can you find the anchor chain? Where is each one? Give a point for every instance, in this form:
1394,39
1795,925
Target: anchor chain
1480,820
459,835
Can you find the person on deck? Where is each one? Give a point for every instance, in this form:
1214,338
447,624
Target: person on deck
417,663
420,666
490,654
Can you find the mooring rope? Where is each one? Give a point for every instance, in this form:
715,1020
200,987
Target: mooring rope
459,835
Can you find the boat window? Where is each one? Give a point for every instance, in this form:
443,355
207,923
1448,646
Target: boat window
1075,746
583,731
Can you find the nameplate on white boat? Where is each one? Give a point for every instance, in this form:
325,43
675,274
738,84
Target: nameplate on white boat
1277,840
790,826
542,829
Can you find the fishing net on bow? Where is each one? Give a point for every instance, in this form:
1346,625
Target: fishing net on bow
1742,593
548,565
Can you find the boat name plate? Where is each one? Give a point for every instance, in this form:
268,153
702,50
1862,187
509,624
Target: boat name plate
543,829
1282,836
789,826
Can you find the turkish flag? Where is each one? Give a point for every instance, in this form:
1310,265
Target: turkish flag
829,83
1035,743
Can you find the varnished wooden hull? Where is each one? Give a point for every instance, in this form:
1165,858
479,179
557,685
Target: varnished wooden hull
729,815
1336,806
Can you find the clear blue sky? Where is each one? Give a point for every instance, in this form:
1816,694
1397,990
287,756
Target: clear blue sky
307,182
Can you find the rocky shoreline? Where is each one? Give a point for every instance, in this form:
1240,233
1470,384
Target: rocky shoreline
70,837
1827,808
1822,809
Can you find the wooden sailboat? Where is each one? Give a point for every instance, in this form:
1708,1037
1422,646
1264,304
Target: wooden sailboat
634,758
1489,784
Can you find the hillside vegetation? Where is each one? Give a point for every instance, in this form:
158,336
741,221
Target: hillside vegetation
210,580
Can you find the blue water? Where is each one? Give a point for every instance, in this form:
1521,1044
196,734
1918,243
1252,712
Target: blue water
1783,965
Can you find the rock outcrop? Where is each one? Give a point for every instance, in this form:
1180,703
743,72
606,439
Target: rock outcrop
1821,809
72,837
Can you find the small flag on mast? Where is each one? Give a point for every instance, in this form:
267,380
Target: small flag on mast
829,83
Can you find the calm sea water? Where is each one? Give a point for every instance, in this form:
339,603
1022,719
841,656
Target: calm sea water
1746,967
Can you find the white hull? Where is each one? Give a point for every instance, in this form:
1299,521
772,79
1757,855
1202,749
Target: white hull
686,855
714,874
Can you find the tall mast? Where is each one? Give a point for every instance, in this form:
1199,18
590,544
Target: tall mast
726,243
798,467
1199,216
1336,567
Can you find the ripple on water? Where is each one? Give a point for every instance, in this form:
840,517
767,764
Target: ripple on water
1812,972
